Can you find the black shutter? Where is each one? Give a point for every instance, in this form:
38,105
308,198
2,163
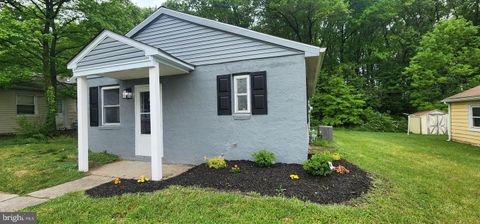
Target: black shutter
224,95
94,106
259,92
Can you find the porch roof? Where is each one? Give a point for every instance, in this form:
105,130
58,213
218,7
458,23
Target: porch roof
111,54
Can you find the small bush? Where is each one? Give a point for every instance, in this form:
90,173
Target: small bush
264,158
318,165
381,122
336,156
321,142
31,128
217,162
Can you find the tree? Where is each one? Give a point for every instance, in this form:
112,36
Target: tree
447,62
39,37
338,104
236,12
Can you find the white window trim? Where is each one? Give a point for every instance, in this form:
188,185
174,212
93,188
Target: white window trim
235,94
470,117
103,106
35,112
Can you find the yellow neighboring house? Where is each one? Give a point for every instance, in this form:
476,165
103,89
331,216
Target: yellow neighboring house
28,99
464,110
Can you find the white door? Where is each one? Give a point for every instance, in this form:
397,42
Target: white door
142,120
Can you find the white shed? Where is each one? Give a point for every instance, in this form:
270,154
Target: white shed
432,122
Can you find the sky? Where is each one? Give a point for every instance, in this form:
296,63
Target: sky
149,3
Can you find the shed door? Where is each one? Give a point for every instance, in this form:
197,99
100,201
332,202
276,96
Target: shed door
437,124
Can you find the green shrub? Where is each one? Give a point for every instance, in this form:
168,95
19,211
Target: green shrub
264,158
318,165
217,162
321,142
28,128
381,122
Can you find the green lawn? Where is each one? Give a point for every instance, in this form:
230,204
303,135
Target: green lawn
27,167
417,179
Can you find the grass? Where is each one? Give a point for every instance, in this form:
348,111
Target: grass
417,179
28,165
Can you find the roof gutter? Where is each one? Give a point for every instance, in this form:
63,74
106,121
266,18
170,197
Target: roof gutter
469,98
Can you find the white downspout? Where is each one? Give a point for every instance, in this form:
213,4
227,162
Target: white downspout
449,125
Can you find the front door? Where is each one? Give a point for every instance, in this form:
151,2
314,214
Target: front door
142,120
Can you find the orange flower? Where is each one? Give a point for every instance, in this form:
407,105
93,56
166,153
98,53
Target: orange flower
117,181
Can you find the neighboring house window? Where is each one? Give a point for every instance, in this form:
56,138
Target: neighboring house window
475,116
26,105
241,88
110,105
59,106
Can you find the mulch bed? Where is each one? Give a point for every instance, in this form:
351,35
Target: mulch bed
272,181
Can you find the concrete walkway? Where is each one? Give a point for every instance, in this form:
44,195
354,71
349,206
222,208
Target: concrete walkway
98,176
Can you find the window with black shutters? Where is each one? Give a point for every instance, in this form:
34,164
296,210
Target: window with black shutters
110,105
249,93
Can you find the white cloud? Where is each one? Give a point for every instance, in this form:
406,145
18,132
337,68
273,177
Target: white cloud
149,3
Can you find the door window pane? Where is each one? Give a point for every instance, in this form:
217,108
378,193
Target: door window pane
144,102
145,123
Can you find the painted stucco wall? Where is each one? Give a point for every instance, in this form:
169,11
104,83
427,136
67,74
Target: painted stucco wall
192,128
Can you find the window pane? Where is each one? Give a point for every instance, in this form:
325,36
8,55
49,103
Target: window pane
242,103
145,124
476,122
112,115
145,102
25,100
59,106
111,97
25,109
242,85
476,111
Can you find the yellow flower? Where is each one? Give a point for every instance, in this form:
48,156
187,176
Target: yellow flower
142,179
294,177
117,181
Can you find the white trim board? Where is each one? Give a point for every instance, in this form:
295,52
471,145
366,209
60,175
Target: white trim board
310,51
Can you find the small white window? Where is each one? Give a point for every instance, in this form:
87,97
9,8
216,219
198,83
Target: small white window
110,105
26,105
241,87
475,116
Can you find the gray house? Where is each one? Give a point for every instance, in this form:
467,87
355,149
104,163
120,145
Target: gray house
177,88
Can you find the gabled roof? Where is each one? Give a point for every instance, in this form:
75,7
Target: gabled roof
149,51
471,94
310,51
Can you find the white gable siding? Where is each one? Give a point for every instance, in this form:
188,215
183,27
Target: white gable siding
109,52
200,45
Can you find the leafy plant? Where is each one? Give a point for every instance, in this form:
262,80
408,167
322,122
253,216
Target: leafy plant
381,122
235,169
318,165
217,162
31,128
321,142
336,156
264,158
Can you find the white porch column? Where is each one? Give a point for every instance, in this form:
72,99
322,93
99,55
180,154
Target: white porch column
156,122
82,112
